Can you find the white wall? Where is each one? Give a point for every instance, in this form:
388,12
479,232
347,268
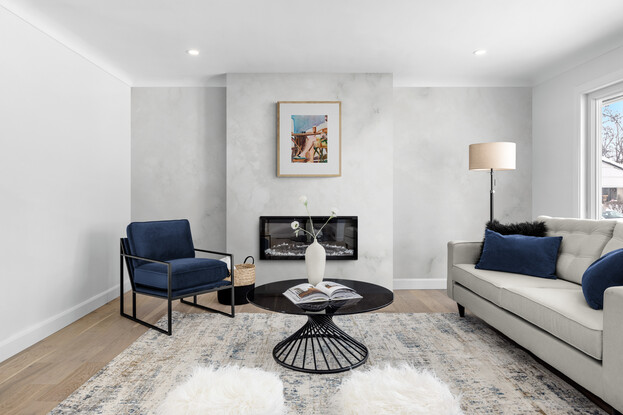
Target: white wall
363,190
178,159
436,197
557,124
64,184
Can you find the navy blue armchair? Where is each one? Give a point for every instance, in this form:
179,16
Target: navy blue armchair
161,262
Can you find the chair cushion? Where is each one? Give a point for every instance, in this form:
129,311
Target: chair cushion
185,273
183,292
161,240
561,312
529,255
489,284
583,241
604,273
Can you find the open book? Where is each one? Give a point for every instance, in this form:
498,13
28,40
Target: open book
323,291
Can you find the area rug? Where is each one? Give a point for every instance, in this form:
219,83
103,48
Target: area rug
489,373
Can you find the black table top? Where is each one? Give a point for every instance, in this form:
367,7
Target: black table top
270,297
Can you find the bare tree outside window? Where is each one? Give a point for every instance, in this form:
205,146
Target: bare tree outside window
612,159
612,133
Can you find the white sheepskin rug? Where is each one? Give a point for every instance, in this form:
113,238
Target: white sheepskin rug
230,390
396,391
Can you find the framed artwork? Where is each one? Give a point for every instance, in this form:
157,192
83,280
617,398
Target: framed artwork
309,138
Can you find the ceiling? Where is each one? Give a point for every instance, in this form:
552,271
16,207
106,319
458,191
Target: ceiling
422,42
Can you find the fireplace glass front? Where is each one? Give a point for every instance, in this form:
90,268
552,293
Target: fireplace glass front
278,241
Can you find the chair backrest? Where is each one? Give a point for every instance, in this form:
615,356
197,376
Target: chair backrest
160,240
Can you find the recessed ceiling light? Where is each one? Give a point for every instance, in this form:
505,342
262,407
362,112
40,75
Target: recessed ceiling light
193,52
480,52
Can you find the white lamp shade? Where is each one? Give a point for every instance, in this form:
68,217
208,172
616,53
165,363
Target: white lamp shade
496,156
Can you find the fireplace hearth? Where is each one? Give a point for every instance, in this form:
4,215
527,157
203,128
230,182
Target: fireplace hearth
278,241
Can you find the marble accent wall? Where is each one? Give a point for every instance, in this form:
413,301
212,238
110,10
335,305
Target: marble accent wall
436,197
178,159
364,189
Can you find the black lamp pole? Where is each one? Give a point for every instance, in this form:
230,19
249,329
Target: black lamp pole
491,198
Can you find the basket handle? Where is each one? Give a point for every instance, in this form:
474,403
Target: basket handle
252,259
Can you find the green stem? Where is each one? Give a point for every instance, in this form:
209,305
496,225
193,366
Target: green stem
325,224
310,220
307,232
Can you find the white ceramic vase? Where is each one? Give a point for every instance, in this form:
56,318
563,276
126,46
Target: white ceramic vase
315,260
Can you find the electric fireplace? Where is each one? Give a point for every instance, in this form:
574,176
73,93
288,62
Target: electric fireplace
278,241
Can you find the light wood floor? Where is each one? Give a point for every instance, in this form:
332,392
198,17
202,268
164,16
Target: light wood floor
37,379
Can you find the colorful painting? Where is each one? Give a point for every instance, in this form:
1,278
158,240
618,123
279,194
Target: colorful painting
309,139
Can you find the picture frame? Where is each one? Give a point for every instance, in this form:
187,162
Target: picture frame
309,138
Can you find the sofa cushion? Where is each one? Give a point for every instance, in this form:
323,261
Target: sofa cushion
604,273
489,284
583,241
520,254
561,312
185,273
617,238
536,228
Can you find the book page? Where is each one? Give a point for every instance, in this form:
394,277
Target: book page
301,287
329,287
306,293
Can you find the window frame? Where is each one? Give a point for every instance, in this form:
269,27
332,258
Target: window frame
596,100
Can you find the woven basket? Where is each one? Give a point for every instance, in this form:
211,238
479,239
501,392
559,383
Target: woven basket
244,273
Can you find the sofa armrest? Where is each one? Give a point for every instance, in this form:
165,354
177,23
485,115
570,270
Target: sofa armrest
460,252
613,345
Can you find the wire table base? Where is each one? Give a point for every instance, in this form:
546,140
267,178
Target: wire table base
320,346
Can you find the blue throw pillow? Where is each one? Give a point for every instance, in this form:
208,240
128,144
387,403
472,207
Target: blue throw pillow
529,255
604,273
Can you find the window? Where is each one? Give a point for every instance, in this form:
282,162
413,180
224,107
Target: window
606,153
612,158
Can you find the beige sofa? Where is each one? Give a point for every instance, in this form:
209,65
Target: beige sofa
551,317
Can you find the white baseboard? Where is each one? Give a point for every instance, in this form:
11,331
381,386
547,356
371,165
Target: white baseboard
419,283
37,332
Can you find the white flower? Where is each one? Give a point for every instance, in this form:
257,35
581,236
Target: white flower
295,224
303,200
334,211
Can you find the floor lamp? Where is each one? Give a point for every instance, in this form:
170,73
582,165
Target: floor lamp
492,156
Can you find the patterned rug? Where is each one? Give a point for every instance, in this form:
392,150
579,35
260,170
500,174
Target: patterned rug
491,375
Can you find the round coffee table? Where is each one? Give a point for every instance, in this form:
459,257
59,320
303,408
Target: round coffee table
320,346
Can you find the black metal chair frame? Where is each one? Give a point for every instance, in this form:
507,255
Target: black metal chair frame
169,297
